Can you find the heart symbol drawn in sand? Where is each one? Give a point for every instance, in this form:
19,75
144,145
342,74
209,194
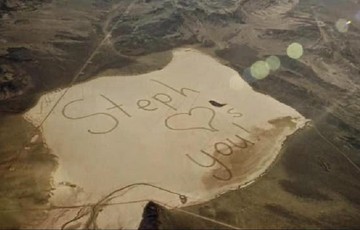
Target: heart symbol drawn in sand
195,115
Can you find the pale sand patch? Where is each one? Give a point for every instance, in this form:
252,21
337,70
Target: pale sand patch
178,141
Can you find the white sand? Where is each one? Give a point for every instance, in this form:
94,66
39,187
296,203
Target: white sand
111,149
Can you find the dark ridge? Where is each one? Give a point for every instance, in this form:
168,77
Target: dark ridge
150,217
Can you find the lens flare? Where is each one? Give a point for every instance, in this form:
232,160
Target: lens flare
342,25
260,70
273,62
295,50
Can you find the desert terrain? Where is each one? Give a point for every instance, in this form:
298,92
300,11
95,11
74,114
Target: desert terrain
300,56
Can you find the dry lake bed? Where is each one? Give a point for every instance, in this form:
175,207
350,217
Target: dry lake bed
179,136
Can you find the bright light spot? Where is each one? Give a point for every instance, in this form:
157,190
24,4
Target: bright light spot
342,25
260,70
295,50
273,62
348,22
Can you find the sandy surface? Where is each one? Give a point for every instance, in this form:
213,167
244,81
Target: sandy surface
158,134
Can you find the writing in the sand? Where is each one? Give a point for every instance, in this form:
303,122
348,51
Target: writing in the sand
144,104
152,104
226,148
199,118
